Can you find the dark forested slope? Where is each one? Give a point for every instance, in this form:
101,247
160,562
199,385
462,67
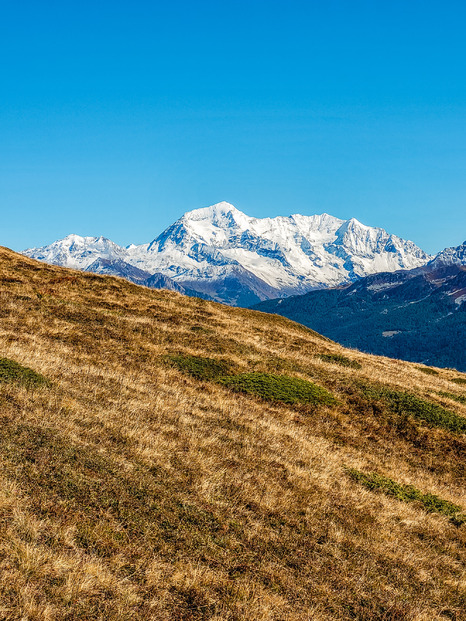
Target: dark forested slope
417,315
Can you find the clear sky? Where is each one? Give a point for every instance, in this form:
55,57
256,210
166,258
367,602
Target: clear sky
116,117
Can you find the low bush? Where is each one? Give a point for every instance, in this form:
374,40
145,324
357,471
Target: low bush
268,386
11,371
408,493
427,370
405,403
459,380
201,368
450,395
281,388
201,329
343,361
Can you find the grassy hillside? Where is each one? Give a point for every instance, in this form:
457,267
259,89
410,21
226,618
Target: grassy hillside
165,457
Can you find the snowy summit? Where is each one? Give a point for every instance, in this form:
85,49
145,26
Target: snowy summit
238,259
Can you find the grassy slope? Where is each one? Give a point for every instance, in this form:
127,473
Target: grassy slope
132,490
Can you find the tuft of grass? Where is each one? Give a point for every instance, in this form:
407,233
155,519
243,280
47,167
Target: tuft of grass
13,372
408,493
343,361
450,395
200,367
405,403
201,329
427,370
283,388
459,380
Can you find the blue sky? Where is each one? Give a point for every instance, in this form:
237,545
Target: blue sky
117,117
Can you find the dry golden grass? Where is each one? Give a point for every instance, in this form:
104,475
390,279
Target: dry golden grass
129,490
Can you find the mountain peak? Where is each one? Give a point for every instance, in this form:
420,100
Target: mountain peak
207,213
209,220
77,251
73,238
357,224
456,255
354,225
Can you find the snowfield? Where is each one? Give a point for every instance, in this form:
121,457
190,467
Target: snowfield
274,257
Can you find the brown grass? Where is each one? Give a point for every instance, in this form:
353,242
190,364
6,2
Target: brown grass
132,490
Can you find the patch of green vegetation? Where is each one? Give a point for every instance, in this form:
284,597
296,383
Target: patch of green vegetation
11,371
343,361
291,390
269,386
427,370
202,368
405,403
450,395
408,493
201,329
459,380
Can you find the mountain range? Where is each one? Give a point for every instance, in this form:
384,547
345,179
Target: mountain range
220,253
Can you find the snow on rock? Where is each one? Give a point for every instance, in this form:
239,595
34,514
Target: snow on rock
77,252
451,256
290,255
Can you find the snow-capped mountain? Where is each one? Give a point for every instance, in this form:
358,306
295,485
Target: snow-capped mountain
237,259
77,252
287,254
450,256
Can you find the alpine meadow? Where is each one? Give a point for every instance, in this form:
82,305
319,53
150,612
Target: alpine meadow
166,457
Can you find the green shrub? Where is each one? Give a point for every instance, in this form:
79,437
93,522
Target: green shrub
459,380
281,388
201,368
201,329
343,361
406,403
268,386
11,371
408,493
427,370
450,395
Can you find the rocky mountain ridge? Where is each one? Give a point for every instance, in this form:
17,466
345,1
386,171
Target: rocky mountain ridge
222,253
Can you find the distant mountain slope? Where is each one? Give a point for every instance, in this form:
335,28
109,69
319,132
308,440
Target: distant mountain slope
451,256
417,315
78,252
160,281
118,267
240,260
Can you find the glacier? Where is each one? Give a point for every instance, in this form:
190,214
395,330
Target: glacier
228,256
